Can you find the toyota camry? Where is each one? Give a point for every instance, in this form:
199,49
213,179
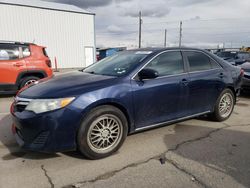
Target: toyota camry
94,109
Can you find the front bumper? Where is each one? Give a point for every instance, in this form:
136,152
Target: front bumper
53,131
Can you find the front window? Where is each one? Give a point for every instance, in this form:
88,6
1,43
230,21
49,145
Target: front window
118,64
9,52
168,63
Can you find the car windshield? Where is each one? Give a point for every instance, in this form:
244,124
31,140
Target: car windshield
227,54
118,64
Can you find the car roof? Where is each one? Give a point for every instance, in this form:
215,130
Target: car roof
164,49
15,43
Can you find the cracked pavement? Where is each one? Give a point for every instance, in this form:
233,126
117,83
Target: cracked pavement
193,153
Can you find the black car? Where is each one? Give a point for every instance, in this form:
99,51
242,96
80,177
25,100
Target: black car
246,79
234,57
229,56
242,57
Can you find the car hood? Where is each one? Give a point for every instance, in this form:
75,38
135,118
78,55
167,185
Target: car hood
66,85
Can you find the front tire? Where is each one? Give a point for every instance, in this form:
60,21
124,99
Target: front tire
102,132
224,106
27,81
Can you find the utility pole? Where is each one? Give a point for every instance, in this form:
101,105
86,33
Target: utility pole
140,22
180,34
165,39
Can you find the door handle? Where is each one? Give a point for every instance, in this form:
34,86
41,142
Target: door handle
18,64
184,81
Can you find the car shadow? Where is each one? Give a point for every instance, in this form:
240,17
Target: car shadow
245,94
6,95
75,154
223,151
7,141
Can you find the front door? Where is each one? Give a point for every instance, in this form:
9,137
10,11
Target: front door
164,98
11,63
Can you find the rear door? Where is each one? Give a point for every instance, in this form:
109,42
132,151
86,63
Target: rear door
164,98
205,81
11,63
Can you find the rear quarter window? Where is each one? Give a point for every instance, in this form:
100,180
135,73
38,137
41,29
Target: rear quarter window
198,61
26,51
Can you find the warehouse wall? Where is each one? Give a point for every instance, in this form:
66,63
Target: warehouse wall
64,34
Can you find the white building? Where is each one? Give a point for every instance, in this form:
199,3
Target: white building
67,31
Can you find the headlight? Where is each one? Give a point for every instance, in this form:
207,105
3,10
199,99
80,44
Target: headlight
45,105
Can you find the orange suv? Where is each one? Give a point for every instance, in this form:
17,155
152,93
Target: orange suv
22,64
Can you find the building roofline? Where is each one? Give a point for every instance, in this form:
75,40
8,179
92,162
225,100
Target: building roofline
46,8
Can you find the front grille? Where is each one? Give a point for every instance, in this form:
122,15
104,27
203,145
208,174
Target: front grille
20,104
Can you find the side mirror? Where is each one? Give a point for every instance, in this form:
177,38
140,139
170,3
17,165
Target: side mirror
148,74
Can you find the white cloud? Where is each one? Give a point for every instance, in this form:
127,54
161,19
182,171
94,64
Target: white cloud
203,21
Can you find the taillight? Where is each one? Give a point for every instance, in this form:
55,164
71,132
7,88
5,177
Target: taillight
48,62
242,72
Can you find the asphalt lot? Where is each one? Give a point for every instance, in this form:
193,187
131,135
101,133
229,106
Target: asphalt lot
193,153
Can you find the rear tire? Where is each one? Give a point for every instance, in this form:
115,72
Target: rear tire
224,106
102,132
28,80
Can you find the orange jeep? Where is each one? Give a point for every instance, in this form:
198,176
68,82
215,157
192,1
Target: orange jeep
22,64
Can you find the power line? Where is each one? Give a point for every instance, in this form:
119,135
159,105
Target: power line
247,32
177,21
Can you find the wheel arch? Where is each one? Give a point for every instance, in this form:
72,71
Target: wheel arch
37,73
116,104
234,92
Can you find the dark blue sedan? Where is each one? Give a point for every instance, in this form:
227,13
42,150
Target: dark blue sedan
93,110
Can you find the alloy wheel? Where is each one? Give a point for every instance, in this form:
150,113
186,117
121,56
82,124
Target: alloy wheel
226,105
29,82
104,133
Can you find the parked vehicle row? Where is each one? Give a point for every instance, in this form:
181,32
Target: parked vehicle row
235,58
93,110
246,79
22,64
241,59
